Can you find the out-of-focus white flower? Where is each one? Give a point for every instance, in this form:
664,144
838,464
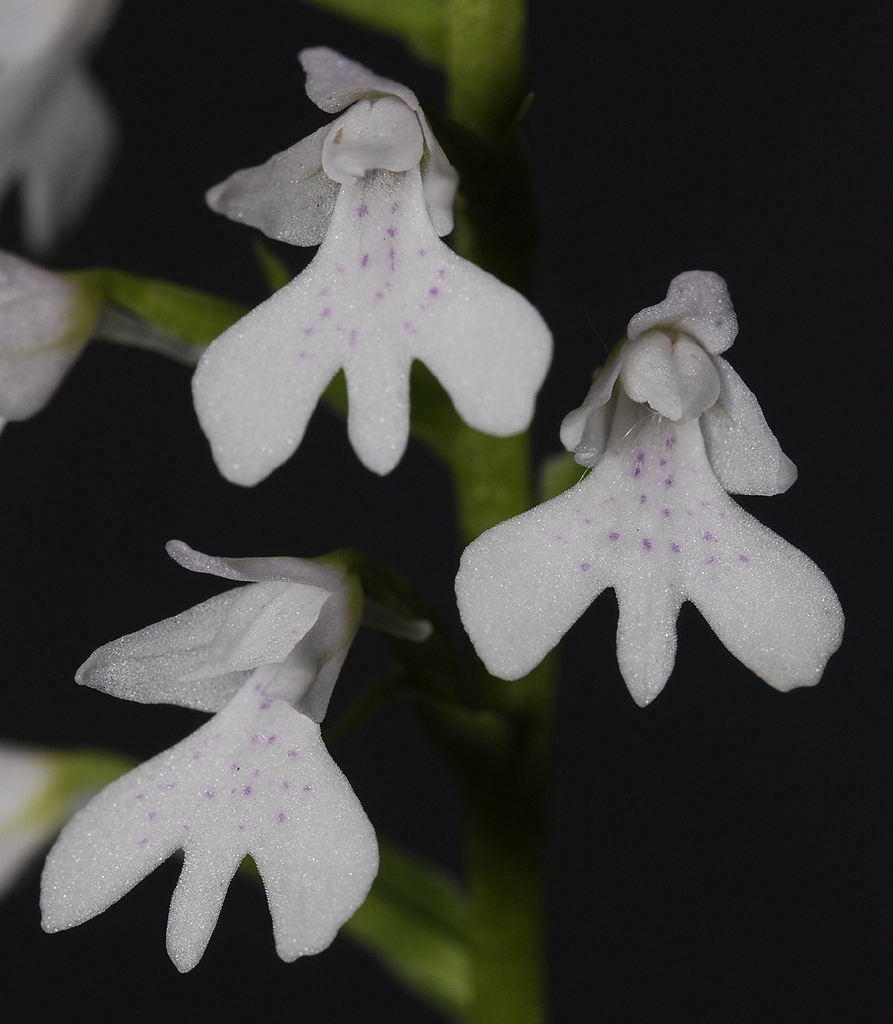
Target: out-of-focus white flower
375,188
39,790
57,133
25,775
44,325
668,429
256,779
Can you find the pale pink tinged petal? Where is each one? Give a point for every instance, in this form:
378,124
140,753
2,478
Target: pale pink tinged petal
770,604
743,451
65,159
289,198
259,382
523,584
335,82
698,304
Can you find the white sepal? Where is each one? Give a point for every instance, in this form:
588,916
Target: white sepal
697,304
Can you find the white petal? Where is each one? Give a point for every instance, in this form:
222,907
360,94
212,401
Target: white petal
334,81
742,449
770,604
65,159
289,198
585,431
646,632
382,290
256,780
371,136
675,377
37,347
522,584
439,181
698,304
259,570
200,657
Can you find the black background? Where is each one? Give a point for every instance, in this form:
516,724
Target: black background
723,854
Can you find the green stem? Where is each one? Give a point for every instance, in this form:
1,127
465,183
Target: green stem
485,64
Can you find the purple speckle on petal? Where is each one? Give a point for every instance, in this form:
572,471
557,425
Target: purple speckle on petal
670,442
306,789
197,755
364,260
665,512
421,252
241,828
613,536
441,272
395,207
669,481
433,291
708,536
326,312
637,471
363,210
643,498
585,567
235,767
307,332
152,815
646,544
392,257
663,462
285,783
209,794
264,704
323,291
353,338
140,796
292,753
281,816
271,739
144,841
710,560
391,232
247,790
743,558
674,547
640,457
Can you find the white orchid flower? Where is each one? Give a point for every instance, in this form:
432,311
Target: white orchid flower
57,133
256,779
43,329
25,776
375,188
668,429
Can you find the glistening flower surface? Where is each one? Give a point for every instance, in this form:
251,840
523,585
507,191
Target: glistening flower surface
256,779
654,521
382,290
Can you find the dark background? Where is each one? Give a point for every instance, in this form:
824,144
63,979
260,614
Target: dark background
723,854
